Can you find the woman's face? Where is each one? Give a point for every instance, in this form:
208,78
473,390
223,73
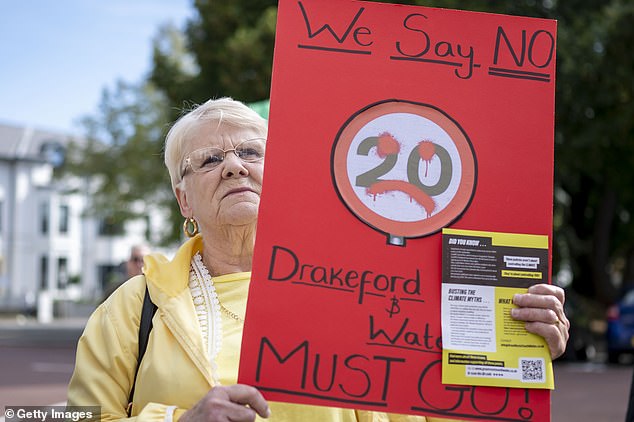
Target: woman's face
229,194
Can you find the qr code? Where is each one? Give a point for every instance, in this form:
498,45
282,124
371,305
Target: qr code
532,370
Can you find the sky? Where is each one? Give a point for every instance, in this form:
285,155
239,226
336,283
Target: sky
57,56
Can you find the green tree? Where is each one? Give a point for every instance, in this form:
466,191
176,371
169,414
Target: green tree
595,152
175,69
232,45
120,158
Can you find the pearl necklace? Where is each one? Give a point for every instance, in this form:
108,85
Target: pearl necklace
208,309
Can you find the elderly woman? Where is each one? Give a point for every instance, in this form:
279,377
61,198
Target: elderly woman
214,155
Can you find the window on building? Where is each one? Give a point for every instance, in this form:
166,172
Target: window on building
44,217
43,272
108,274
64,213
53,152
110,227
62,272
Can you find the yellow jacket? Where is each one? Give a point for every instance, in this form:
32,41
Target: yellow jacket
175,371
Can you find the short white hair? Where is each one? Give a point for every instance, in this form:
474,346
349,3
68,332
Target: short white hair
225,112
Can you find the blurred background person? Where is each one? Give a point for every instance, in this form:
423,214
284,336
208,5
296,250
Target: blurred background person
131,267
134,264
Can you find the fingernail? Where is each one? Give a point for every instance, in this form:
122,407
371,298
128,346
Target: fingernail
515,312
516,297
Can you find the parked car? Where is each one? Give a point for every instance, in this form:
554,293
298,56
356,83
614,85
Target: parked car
620,332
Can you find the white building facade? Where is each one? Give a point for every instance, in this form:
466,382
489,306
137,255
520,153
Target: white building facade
50,250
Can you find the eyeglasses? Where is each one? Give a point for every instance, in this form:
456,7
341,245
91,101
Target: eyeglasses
207,159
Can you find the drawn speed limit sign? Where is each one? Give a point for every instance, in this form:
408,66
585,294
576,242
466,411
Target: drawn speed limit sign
406,169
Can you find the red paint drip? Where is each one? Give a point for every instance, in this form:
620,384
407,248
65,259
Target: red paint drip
370,193
387,145
418,195
426,150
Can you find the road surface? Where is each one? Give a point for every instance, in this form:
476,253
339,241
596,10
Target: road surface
36,363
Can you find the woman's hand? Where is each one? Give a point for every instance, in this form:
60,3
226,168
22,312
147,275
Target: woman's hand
236,403
543,310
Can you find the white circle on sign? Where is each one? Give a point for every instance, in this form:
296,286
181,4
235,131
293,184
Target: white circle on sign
409,130
406,169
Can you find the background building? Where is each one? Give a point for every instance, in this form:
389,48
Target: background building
51,251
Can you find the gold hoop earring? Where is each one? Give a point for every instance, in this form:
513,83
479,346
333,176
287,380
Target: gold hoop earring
190,223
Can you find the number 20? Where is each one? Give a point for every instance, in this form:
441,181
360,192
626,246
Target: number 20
373,175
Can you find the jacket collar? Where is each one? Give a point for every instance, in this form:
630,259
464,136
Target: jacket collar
171,277
168,283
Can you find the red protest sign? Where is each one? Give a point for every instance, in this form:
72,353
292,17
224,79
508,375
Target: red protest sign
388,123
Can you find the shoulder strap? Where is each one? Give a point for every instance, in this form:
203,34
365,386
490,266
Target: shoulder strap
145,326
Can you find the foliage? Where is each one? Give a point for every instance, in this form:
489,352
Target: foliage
232,44
226,49
175,68
594,149
120,158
